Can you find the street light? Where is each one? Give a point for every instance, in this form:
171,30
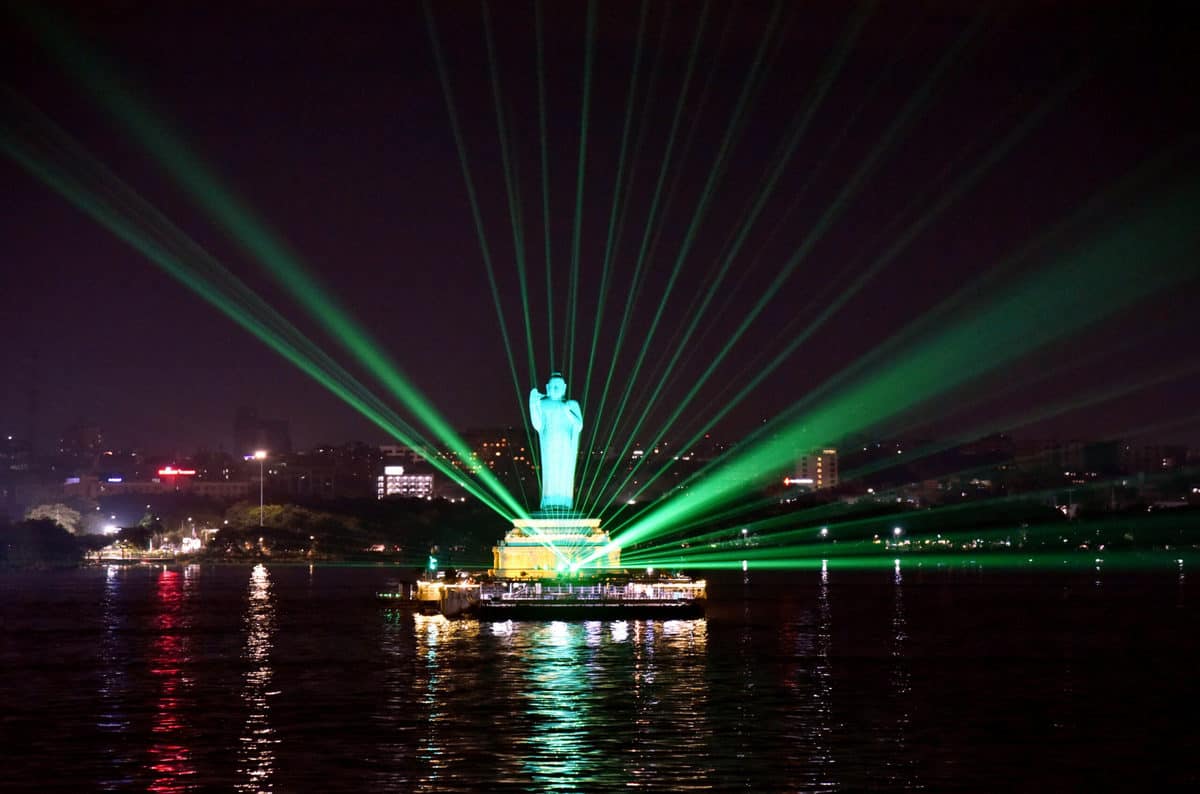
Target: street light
260,455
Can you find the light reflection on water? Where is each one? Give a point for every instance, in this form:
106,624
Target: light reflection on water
1180,590
397,723
560,702
170,756
545,695
114,680
256,753
674,708
220,677
439,747
429,751
820,724
899,765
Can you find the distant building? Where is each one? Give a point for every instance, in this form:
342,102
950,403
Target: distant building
1149,458
217,466
80,444
219,490
817,471
1041,454
90,487
399,481
400,453
500,449
346,471
252,432
126,464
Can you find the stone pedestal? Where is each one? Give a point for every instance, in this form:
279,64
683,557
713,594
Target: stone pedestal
550,545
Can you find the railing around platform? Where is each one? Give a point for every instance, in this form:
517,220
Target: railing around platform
631,592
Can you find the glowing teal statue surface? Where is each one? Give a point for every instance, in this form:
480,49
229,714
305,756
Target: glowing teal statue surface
557,421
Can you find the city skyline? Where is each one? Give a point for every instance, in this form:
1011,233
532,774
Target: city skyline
226,443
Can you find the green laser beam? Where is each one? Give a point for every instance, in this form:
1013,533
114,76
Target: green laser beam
663,170
1121,191
1050,303
539,36
918,542
644,126
944,202
140,225
1042,561
577,233
913,533
477,217
850,188
237,218
831,69
134,221
512,187
818,531
787,220
717,170
610,238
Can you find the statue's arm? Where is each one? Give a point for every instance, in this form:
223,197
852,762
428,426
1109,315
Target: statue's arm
576,415
535,409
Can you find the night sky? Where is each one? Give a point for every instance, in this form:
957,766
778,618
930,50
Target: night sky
330,121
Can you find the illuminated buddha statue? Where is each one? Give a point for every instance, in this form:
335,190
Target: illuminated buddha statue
557,421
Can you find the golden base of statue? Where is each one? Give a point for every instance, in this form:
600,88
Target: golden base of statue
546,548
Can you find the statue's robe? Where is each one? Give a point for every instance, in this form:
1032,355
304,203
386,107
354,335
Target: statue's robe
557,423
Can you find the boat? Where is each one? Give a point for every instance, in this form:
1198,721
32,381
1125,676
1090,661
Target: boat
609,598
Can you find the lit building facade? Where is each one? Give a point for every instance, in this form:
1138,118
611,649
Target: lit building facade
396,481
501,449
817,470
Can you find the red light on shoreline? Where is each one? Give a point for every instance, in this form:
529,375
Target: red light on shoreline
171,471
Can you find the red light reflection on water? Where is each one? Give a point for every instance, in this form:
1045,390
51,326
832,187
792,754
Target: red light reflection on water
170,758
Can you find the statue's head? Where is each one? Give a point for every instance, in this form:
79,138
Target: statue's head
556,387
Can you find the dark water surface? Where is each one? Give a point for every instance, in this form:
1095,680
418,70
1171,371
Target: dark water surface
287,678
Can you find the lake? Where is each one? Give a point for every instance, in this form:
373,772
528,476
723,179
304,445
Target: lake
291,678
